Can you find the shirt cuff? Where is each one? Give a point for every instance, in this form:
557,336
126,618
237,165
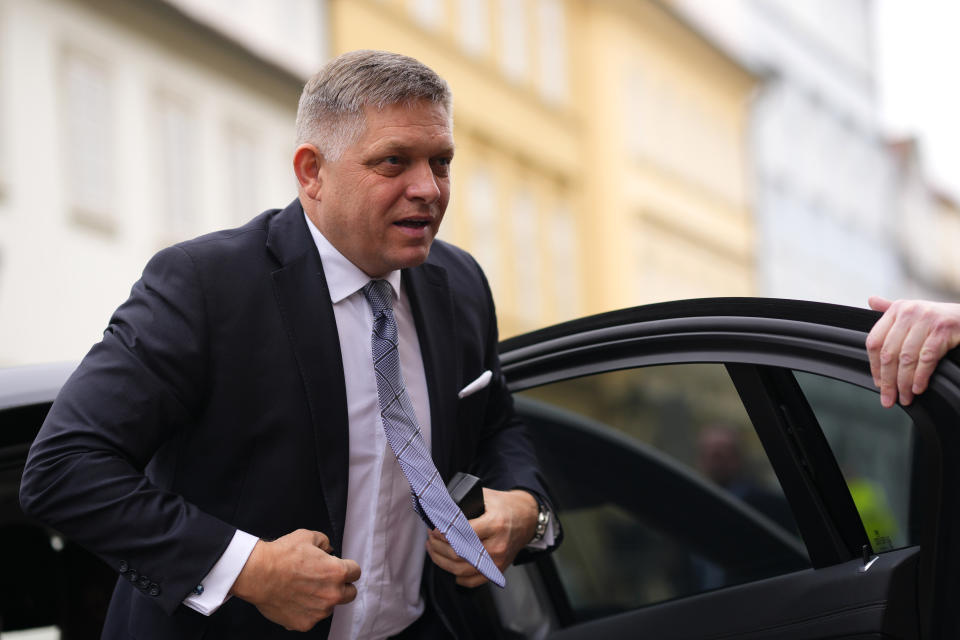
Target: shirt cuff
214,589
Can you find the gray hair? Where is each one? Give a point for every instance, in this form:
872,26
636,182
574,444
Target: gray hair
330,114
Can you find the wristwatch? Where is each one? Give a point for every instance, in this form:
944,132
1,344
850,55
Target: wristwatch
543,519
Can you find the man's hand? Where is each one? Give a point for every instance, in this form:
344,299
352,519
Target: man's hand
294,581
906,344
505,528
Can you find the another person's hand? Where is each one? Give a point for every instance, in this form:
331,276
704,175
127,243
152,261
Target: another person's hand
906,344
294,581
505,528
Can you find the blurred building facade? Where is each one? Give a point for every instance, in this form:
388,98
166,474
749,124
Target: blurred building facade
600,148
928,228
609,152
125,126
826,184
517,180
668,194
145,123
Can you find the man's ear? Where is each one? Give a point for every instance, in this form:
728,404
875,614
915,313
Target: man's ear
307,161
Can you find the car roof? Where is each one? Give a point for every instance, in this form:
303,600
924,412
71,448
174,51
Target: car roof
32,384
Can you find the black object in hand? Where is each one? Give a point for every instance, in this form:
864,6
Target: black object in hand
467,491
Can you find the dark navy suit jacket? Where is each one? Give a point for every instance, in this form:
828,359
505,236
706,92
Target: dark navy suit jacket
216,401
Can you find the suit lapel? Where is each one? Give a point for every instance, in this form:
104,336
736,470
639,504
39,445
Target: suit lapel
304,302
432,306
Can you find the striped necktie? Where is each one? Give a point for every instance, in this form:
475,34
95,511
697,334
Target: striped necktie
430,497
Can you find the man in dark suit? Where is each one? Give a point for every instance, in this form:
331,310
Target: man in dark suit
222,448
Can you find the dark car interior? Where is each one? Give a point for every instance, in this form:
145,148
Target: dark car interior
46,580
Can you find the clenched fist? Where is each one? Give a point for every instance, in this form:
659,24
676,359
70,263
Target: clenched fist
505,528
294,581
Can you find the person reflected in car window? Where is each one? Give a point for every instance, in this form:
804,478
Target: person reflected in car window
722,459
906,344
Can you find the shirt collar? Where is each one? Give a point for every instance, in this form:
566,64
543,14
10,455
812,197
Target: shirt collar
343,277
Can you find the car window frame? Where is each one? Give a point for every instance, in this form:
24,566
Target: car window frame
818,338
795,443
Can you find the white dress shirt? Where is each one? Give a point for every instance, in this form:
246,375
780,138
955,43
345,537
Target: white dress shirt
382,534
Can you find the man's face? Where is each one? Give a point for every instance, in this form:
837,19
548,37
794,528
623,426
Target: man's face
380,204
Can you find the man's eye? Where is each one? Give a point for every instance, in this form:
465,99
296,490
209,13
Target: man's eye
442,165
395,160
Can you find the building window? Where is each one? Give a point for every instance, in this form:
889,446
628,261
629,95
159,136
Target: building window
526,257
565,276
243,175
89,135
482,216
475,27
553,51
513,39
178,149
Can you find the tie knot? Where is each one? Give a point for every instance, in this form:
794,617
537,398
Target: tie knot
379,296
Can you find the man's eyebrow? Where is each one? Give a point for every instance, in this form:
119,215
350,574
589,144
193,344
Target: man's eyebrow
396,146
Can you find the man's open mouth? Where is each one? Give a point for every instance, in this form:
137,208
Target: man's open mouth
413,224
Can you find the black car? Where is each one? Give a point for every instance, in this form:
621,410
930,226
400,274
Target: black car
722,468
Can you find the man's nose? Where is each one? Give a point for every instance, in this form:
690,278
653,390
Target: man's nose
423,183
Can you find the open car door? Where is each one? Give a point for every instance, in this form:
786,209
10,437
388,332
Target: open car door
723,469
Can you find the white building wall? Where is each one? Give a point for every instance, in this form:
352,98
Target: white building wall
825,182
61,273
290,33
921,256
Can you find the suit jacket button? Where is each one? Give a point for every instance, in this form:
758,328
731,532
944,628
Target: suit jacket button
124,566
154,589
144,582
133,576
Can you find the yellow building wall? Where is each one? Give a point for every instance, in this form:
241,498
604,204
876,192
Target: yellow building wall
526,148
669,157
591,193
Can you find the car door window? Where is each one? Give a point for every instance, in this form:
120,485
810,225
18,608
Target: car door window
662,485
875,450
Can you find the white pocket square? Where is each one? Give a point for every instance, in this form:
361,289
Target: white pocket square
477,384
